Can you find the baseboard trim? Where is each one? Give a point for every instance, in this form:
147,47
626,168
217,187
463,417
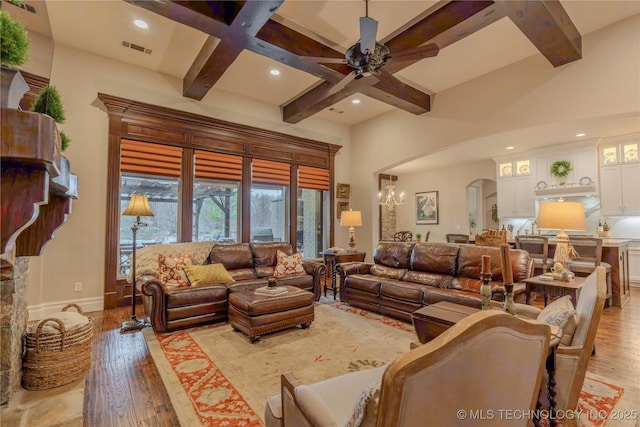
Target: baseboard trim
40,311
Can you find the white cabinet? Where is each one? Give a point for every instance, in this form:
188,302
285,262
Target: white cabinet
582,178
620,176
516,198
634,264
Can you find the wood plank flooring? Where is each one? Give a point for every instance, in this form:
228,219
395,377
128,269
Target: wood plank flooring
124,386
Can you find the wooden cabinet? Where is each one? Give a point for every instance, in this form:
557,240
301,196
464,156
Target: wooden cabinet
620,176
515,188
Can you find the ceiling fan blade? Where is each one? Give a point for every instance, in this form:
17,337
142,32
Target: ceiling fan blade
343,83
323,60
419,52
368,31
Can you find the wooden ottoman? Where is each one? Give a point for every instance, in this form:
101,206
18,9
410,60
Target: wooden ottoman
256,314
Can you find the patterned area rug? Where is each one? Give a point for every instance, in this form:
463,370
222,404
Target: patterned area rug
215,377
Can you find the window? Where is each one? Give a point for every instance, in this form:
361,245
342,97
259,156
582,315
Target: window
152,170
216,204
270,201
313,186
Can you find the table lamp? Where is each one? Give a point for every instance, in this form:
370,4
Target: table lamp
562,216
351,219
138,206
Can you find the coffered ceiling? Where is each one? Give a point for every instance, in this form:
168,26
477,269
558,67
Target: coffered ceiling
232,46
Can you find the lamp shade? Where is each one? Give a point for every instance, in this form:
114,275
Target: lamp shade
351,218
562,216
138,206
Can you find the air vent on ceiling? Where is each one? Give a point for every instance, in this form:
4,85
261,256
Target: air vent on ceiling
136,47
335,110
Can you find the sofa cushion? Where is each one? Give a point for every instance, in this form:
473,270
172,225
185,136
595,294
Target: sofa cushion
179,297
232,256
387,272
265,271
393,254
171,270
435,295
363,282
470,262
288,265
430,279
204,274
435,258
266,254
562,314
405,291
244,274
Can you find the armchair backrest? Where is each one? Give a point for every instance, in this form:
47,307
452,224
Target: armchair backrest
489,361
572,361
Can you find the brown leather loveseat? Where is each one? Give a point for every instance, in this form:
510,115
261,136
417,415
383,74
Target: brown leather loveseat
405,277
250,264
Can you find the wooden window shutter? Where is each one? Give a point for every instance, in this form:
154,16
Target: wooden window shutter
313,178
150,159
211,165
268,172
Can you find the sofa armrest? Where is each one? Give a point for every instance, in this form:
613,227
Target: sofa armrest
317,270
344,269
154,299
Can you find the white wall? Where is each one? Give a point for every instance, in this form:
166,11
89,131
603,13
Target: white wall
77,252
528,94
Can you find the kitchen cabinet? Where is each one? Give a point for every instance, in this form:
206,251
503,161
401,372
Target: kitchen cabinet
620,176
634,264
516,197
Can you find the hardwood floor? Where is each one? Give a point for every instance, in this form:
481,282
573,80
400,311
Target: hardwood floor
124,387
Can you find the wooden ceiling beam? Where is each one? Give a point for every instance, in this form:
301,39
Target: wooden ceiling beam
217,54
445,23
548,26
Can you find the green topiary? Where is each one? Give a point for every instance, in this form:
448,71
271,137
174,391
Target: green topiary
65,140
14,43
48,102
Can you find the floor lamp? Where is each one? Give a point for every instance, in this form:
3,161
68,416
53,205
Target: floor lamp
351,219
138,206
562,216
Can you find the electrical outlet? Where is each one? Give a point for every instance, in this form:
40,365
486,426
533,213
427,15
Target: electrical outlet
78,287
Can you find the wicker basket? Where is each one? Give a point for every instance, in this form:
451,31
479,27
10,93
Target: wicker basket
55,359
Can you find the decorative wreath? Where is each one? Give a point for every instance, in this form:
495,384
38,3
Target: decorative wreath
561,168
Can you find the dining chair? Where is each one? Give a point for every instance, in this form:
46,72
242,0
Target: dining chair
457,238
588,255
403,236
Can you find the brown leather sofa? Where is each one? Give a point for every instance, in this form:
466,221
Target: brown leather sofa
250,264
405,277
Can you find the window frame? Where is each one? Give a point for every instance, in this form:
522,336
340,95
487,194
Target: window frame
139,121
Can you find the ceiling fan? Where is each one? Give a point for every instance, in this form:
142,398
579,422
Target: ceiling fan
368,56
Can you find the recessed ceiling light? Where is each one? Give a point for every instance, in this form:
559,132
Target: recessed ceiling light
355,101
274,72
580,134
141,24
511,147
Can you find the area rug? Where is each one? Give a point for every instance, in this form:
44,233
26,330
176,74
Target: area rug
215,377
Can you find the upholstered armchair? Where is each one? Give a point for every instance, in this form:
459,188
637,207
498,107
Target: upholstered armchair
489,361
572,360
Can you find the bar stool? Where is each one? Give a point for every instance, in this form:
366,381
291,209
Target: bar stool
589,254
457,238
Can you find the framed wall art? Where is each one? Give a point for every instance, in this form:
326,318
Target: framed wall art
342,206
427,208
343,191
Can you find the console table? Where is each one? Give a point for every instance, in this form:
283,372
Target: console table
554,288
331,259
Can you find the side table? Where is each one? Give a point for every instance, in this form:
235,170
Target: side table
331,259
554,288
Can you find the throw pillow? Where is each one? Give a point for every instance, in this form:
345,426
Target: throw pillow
206,274
366,407
171,270
288,265
561,313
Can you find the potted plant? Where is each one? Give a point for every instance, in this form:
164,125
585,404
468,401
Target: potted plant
14,47
560,169
418,237
49,102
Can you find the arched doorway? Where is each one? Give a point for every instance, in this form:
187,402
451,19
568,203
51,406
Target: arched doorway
481,203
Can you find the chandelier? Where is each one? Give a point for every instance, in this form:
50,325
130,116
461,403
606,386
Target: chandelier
388,197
